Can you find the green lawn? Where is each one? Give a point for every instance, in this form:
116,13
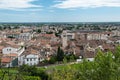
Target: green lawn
64,66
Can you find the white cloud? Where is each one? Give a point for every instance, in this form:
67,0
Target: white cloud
17,4
27,9
86,3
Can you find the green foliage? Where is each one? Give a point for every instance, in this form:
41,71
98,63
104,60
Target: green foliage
11,37
32,71
27,70
31,78
63,74
70,57
49,32
106,66
57,34
62,57
60,54
117,55
38,31
42,74
52,60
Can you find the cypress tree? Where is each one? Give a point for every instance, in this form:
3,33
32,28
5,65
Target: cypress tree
60,54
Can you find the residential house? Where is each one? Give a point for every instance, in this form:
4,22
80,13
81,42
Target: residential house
9,60
30,57
25,36
20,35
13,49
94,35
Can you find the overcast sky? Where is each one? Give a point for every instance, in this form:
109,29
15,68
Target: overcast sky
59,10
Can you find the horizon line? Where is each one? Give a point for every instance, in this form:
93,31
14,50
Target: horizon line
68,22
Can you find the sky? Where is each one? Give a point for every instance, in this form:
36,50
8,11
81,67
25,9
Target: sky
59,10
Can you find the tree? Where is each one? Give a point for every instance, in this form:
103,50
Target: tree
49,32
60,54
29,71
38,31
11,37
64,74
52,60
71,57
105,66
117,55
117,62
57,34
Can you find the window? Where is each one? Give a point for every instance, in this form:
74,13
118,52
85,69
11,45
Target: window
9,49
27,59
64,35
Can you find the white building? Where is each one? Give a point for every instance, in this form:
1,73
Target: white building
94,35
116,33
31,57
118,41
97,36
13,49
25,36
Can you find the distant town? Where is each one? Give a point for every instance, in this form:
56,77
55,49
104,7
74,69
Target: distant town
44,44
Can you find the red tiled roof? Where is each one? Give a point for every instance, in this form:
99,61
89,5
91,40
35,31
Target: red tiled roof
48,35
6,60
1,47
12,55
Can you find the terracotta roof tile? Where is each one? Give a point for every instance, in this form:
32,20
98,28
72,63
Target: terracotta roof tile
11,55
6,60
